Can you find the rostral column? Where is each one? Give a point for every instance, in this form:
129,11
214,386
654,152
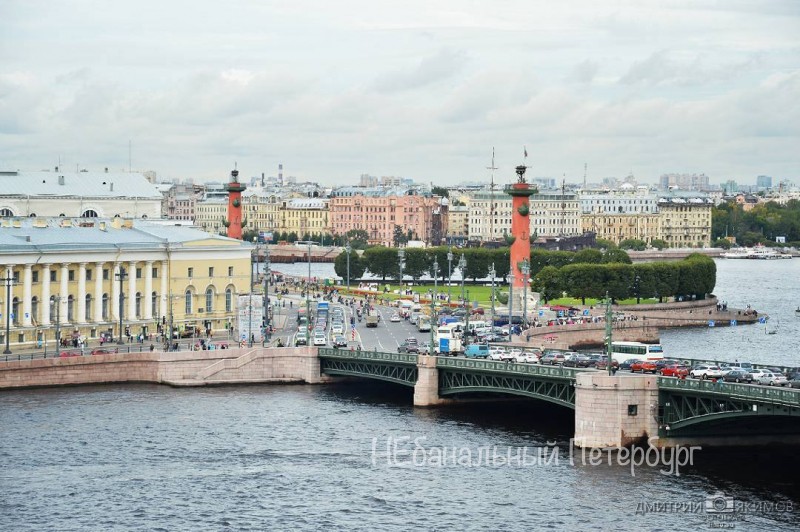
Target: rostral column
234,190
520,223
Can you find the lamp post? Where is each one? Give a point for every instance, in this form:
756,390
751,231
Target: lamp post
401,257
267,275
636,282
462,263
308,300
433,301
57,299
510,279
347,250
525,268
449,272
121,275
250,298
492,273
8,280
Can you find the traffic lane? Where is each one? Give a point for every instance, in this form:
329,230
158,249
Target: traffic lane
387,336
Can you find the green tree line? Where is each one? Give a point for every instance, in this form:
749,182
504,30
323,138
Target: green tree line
760,225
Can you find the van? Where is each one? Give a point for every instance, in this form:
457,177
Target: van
477,351
477,325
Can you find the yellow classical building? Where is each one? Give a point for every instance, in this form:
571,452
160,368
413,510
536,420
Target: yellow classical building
87,277
618,227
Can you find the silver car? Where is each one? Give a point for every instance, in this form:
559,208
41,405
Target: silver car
773,379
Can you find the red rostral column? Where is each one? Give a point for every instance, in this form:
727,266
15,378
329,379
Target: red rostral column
520,223
234,190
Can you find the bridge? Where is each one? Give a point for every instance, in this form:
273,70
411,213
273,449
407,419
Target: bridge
610,411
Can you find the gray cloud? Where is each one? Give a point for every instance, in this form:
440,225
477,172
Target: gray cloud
430,70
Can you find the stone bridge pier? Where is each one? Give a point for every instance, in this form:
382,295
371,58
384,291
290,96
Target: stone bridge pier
426,391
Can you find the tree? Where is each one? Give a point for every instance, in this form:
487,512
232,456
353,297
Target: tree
723,243
605,244
548,283
588,256
357,265
292,237
583,280
634,244
616,255
440,191
382,261
659,244
417,263
358,238
477,263
399,237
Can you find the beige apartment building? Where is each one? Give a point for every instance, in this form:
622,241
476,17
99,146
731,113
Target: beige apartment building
618,227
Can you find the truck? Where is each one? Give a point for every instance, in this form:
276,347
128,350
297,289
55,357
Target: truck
423,323
372,318
448,338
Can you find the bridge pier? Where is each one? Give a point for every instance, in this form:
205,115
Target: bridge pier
426,391
615,411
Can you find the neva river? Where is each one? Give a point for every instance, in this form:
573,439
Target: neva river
284,457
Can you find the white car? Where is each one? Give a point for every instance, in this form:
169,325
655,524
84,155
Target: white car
395,318
756,374
705,371
527,357
496,353
773,379
511,355
319,339
337,328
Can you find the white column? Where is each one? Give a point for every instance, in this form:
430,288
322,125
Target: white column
8,308
98,292
44,304
81,317
64,293
148,290
164,288
26,295
132,291
114,304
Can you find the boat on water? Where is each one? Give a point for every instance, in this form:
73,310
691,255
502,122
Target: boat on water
755,253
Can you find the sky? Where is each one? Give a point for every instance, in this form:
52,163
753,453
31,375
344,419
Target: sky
412,88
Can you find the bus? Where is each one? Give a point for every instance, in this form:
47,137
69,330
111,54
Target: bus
423,323
306,243
622,351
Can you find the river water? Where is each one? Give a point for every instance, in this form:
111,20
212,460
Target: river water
298,457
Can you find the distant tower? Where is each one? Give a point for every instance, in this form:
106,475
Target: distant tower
235,222
280,174
520,193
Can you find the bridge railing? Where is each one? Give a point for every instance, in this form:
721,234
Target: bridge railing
764,393
397,358
507,367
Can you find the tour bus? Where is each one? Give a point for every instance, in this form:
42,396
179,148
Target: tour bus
306,243
622,351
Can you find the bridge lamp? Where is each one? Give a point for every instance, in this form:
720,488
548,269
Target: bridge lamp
510,279
401,257
347,250
449,271
492,274
525,268
433,300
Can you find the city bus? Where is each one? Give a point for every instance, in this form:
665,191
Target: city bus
622,351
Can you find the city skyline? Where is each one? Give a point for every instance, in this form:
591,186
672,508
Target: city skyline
403,89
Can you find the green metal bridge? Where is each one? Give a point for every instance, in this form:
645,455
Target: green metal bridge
698,407
686,407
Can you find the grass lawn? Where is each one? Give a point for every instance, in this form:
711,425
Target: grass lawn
483,294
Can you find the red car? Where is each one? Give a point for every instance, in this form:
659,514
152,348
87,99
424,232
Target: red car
675,370
105,351
645,366
67,354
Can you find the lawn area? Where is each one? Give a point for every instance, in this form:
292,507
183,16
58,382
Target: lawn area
483,294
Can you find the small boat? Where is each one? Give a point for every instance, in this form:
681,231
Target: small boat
797,312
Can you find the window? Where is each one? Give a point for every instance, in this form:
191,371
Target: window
53,276
187,307
35,276
88,275
15,310
15,276
230,271
228,300
35,309
105,275
71,275
155,273
191,273
138,273
211,271
154,304
105,305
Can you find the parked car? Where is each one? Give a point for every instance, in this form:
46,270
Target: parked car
644,366
339,341
553,358
728,369
737,375
773,379
664,362
627,364
675,370
756,374
409,345
511,355
527,357
706,371
105,351
576,360
603,363
496,353
795,383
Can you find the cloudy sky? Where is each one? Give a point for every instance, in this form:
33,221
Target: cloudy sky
412,88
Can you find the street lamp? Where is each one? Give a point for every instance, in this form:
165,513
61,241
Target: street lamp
462,263
8,280
525,268
510,279
121,275
57,299
636,282
250,297
433,301
347,250
401,257
449,271
267,275
492,274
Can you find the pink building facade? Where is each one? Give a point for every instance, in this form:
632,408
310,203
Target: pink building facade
378,211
